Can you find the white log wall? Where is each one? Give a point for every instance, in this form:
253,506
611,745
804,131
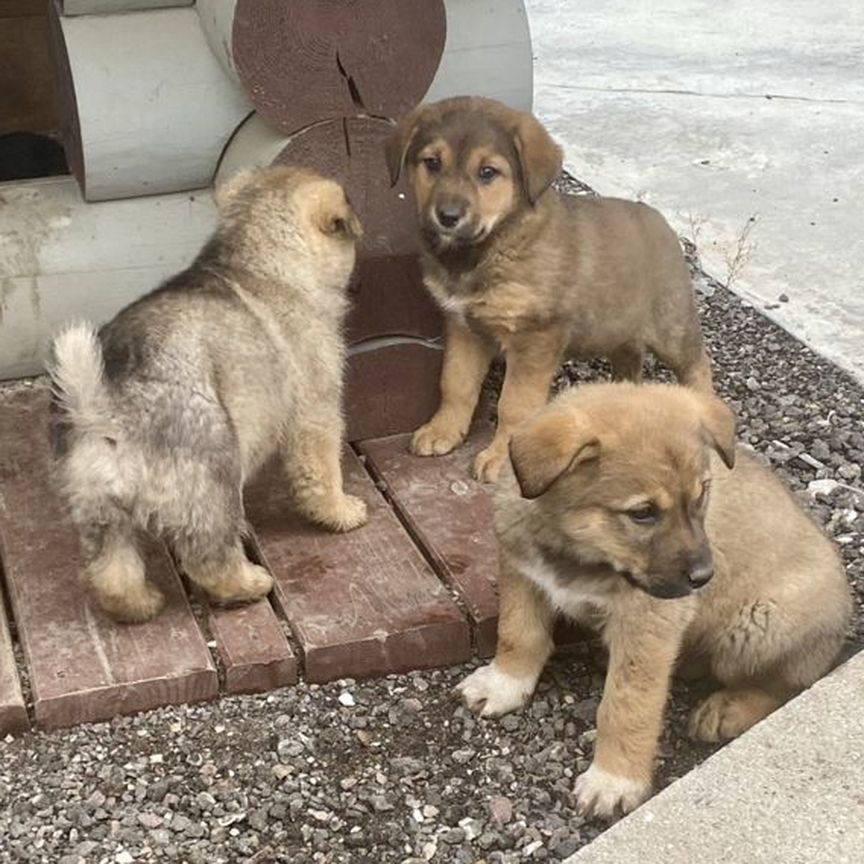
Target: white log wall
107,7
154,105
254,145
487,53
217,22
62,259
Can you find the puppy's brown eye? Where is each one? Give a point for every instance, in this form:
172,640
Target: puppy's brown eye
488,173
647,514
433,164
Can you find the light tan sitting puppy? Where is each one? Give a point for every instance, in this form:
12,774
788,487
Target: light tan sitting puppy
522,270
162,416
619,514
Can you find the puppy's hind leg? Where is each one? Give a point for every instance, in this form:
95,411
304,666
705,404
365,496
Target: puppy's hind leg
627,363
727,713
226,574
676,335
697,374
763,656
207,534
116,575
687,358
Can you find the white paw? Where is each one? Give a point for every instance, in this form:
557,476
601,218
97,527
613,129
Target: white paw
490,692
599,793
352,513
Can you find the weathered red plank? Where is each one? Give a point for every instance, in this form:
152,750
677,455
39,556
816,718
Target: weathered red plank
450,516
13,714
252,647
363,603
83,666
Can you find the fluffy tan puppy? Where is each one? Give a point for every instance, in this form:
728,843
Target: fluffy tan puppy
160,417
624,511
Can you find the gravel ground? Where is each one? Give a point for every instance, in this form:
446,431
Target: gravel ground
394,770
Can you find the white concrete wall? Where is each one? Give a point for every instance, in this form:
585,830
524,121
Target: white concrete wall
62,259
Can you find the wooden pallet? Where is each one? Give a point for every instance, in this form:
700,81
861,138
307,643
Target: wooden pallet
412,589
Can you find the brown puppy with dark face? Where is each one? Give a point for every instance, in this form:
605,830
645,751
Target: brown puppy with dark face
519,269
621,513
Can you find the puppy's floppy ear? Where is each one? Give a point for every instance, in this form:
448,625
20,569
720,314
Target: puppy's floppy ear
337,217
227,190
718,425
547,446
398,142
540,158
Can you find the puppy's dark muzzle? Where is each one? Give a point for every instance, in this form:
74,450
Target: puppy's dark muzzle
450,217
697,573
700,570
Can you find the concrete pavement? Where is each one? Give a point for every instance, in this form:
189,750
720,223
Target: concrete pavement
790,790
743,122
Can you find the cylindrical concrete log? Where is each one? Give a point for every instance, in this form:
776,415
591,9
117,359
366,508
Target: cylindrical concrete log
108,7
301,61
150,108
254,144
487,53
63,259
217,22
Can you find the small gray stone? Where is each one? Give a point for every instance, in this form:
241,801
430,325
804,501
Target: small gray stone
501,809
461,757
453,836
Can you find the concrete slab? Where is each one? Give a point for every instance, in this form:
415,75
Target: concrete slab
790,790
743,122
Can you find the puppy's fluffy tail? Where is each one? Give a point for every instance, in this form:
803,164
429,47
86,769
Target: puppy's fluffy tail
81,402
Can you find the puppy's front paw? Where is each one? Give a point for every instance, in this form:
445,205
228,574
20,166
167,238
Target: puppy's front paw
490,692
599,793
352,513
436,438
489,462
347,514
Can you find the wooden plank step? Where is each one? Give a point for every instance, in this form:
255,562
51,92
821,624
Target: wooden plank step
13,713
361,604
83,666
252,647
450,515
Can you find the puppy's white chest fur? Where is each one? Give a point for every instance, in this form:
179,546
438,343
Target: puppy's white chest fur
451,303
454,306
575,599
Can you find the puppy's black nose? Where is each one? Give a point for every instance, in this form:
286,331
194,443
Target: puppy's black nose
449,215
700,571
